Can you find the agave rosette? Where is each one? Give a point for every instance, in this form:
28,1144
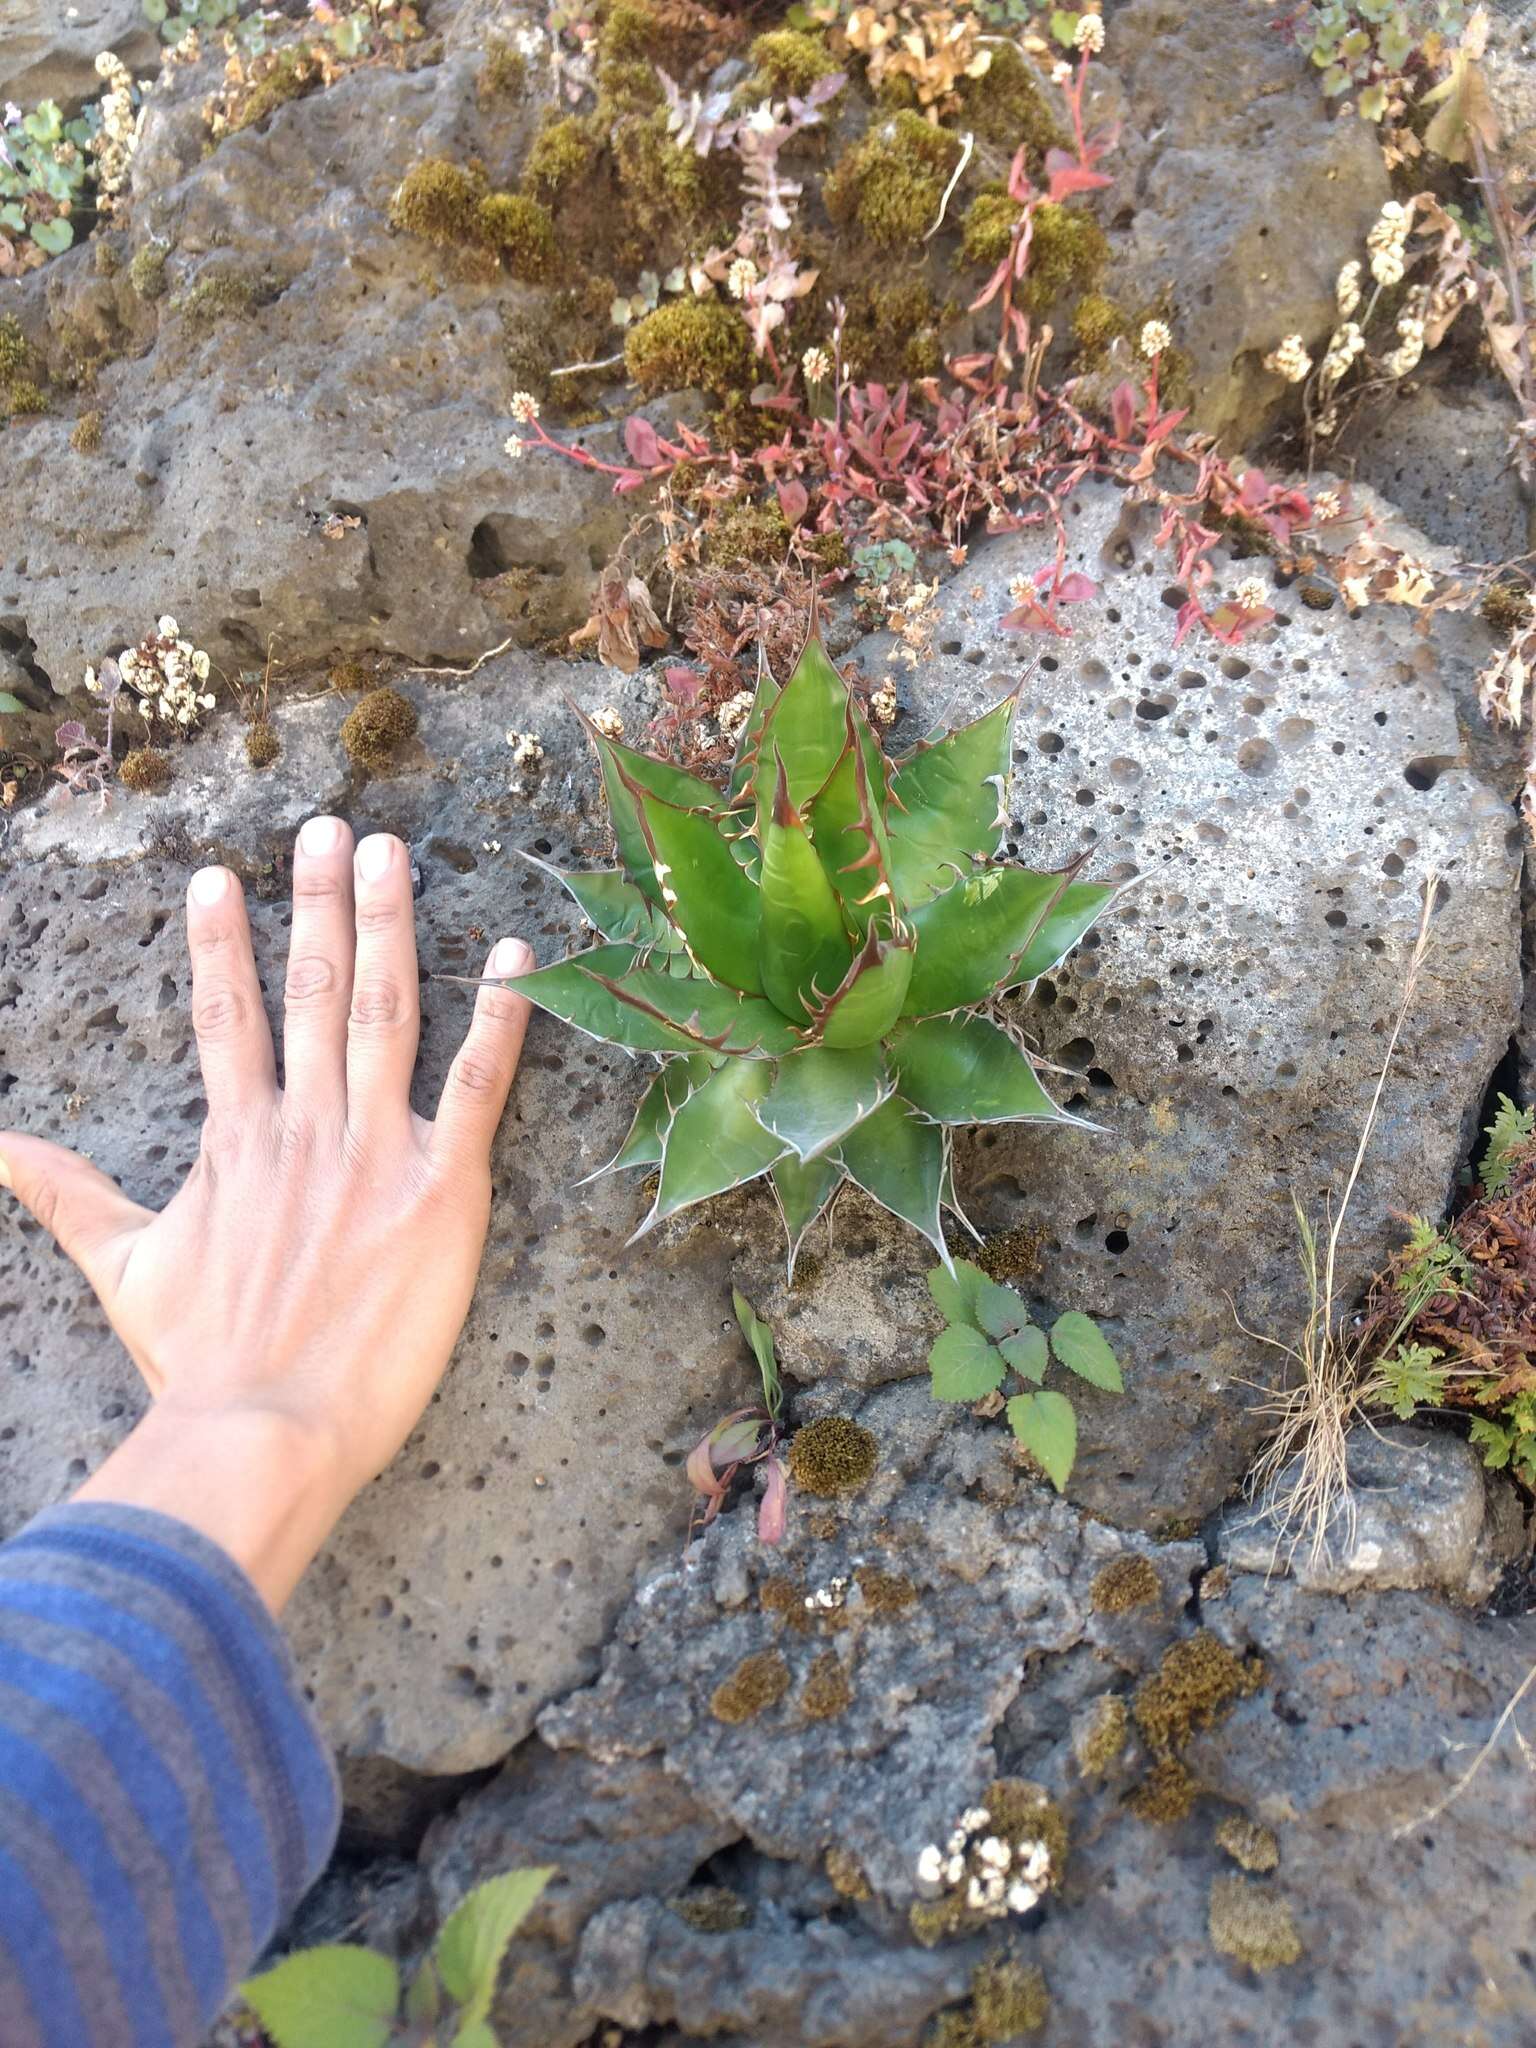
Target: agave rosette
806,951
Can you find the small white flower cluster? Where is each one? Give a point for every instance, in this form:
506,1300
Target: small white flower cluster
1397,362
1156,339
1346,289
1251,594
524,408
1089,33
1061,71
164,673
527,749
741,277
1289,359
113,143
515,446
1327,504
1389,232
996,1877
1344,344
733,714
608,722
882,705
826,1599
816,366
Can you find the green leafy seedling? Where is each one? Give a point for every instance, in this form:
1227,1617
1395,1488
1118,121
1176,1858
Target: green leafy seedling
989,1334
343,1995
806,951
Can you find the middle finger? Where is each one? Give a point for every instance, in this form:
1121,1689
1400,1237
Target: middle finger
385,1022
319,985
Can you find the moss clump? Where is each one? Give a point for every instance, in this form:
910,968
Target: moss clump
146,270
891,182
1126,1582
885,1593
786,1599
562,151
934,1920
261,744
788,60
520,231
15,353
109,258
692,342
1021,1811
22,397
845,1874
668,192
1166,1794
1252,1925
1012,1254
349,674
986,233
1248,1843
826,1692
1008,1998
749,533
1101,1743
226,295
374,730
758,1682
833,1455
285,75
1097,320
1198,1682
440,201
504,73
891,327
1006,105
1067,253
1507,607
712,1909
628,31
85,437
145,771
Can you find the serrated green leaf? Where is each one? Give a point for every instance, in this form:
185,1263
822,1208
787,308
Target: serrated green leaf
971,937
957,1291
336,1996
963,1070
1080,1345
704,891
964,1365
475,1936
803,1192
1046,1425
820,1094
605,993
715,1141
1026,1352
804,730
947,804
608,900
802,943
899,1159
849,835
744,763
999,1310
867,1003
1068,918
625,771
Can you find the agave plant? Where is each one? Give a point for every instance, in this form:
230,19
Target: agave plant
807,949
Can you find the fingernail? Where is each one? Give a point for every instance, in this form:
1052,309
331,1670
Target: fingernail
209,885
321,835
5,1174
374,856
511,956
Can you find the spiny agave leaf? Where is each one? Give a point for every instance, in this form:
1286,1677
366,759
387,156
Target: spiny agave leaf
948,1199
624,771
704,890
819,1095
868,1000
804,730
660,1103
715,1142
1046,1426
611,902
1064,924
898,1158
608,994
971,937
848,833
803,1192
803,945
963,1070
947,803
764,697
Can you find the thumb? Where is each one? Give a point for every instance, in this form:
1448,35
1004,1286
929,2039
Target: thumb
88,1215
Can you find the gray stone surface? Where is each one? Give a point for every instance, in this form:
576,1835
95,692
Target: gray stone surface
1419,1515
1440,451
48,49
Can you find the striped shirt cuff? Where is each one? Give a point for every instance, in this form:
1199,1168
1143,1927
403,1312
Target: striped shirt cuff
166,1796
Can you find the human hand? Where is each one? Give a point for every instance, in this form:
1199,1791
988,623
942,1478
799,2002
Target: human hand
294,1306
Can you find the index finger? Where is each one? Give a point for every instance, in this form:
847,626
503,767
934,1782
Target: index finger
480,1079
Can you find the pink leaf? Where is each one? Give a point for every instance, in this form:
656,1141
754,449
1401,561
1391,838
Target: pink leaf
684,685
794,500
1076,588
701,1470
1122,408
640,440
629,480
772,1509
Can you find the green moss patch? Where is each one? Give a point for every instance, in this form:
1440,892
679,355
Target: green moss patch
891,182
1197,1684
833,1455
145,771
826,1692
1126,1582
373,732
789,60
757,1683
1252,1925
690,343
712,1909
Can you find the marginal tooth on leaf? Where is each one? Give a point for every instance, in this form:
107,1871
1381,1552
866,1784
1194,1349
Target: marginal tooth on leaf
1001,782
881,889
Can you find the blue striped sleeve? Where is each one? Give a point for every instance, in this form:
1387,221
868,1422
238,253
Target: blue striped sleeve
166,1797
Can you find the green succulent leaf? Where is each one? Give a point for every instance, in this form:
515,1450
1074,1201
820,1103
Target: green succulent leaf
1046,1425
972,936
964,1365
899,1159
1026,1352
947,804
338,1995
715,1141
803,945
1074,910
803,1191
475,1937
611,902
1080,1346
805,730
866,1004
743,766
949,1200
963,1070
704,891
609,995
624,773
848,833
820,1094
957,1290
660,1103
